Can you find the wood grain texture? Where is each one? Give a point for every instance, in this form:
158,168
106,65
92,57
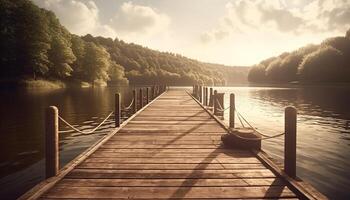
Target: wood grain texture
170,150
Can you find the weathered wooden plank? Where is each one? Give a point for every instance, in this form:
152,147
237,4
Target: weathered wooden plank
194,173
173,122
161,146
171,182
194,131
186,127
90,164
204,150
162,133
164,142
170,150
230,160
145,155
176,136
170,192
177,118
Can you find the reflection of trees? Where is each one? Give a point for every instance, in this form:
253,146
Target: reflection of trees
22,119
320,101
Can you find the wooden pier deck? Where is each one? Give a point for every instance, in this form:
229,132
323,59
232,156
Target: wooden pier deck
170,150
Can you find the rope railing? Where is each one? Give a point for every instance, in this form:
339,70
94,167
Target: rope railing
80,131
242,119
218,103
131,103
53,119
252,137
262,134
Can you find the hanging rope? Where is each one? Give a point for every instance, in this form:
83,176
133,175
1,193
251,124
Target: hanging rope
217,101
240,120
256,139
128,107
84,132
240,117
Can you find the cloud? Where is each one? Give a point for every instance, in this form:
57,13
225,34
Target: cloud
133,18
281,16
130,20
79,17
284,20
217,35
262,13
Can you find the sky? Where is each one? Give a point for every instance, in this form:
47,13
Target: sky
230,32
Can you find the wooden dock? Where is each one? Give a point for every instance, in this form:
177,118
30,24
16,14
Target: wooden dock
171,149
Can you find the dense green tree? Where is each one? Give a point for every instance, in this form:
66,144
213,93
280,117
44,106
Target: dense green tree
34,43
117,75
61,57
32,39
96,63
323,65
78,48
327,62
257,74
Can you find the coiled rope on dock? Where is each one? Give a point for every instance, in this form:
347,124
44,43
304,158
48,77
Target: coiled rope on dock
84,132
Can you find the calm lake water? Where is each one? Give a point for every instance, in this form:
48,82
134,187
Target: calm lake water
323,130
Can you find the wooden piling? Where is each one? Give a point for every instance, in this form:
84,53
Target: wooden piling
141,98
290,124
147,95
232,110
94,171
134,94
200,94
203,94
206,96
51,142
211,97
117,110
215,105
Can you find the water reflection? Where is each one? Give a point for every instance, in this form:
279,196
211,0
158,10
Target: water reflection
22,125
323,130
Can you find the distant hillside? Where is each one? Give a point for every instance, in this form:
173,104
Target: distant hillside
35,45
328,62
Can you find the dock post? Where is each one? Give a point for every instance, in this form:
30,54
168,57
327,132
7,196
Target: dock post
200,93
147,95
196,92
141,98
51,142
211,97
215,104
117,112
232,110
290,139
206,96
134,94
203,98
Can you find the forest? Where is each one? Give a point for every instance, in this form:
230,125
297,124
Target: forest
328,62
34,45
